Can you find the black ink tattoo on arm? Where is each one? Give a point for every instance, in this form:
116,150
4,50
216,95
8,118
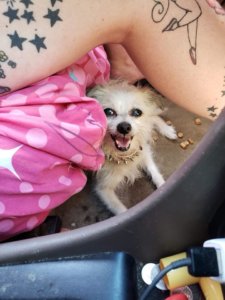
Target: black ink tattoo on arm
213,109
4,63
53,16
38,42
23,10
15,12
28,16
16,40
190,12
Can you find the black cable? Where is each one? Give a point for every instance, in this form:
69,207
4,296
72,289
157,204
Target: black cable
174,265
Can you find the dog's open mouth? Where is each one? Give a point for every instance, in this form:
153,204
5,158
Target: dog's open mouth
122,142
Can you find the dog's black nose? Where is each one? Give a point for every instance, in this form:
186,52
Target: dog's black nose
124,127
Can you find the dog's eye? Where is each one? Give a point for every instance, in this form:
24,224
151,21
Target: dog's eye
110,112
135,112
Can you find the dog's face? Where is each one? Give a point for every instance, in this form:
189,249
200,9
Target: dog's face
128,110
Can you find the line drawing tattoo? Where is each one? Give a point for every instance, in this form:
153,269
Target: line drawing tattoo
188,14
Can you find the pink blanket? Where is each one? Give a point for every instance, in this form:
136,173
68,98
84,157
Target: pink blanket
49,133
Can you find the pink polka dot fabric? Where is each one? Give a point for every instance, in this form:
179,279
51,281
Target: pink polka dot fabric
49,133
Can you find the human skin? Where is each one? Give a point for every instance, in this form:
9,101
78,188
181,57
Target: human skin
181,55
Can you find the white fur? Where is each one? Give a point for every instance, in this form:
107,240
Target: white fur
122,98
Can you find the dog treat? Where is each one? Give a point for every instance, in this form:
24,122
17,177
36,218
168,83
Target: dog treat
155,136
180,134
198,121
190,141
168,122
184,144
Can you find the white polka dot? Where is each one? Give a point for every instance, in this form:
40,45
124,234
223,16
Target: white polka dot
65,180
4,129
71,89
84,109
26,187
32,222
69,130
17,112
15,99
77,158
47,90
48,112
44,201
2,208
36,138
6,225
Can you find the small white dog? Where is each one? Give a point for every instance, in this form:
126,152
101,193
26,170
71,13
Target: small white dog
132,114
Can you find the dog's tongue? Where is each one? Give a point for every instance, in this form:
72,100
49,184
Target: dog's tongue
122,142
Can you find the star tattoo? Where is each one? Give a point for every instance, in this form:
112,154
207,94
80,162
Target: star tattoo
212,108
54,1
38,42
11,14
213,115
26,2
16,40
53,16
28,15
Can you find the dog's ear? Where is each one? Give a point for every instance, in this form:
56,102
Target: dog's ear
98,92
153,100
